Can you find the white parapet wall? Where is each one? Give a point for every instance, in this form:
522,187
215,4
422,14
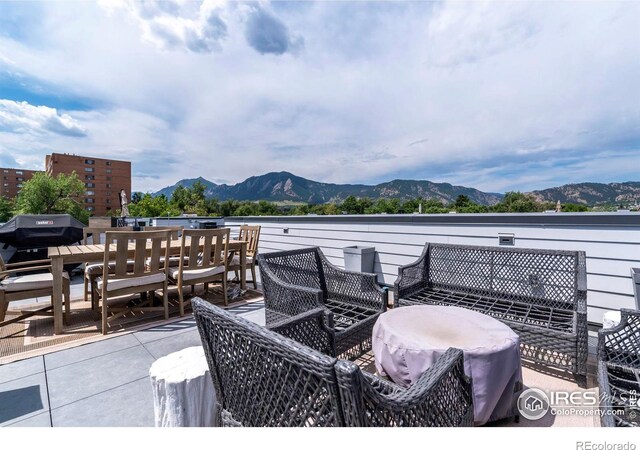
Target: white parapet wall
611,242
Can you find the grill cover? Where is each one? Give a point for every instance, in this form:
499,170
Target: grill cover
41,231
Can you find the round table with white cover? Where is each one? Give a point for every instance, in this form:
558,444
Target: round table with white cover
409,340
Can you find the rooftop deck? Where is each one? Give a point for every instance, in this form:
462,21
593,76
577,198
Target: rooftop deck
106,382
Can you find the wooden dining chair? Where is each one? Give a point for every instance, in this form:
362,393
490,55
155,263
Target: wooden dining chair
95,236
251,234
18,282
176,233
204,255
139,269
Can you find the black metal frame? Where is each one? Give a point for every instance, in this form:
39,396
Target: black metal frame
619,371
540,294
298,281
263,378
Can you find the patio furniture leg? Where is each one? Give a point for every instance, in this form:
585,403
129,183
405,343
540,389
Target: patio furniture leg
224,290
181,299
253,274
4,305
86,288
165,300
66,290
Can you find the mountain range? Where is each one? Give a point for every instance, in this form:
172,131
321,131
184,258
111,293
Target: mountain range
285,186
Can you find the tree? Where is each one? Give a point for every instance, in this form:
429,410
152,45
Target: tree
149,206
6,209
518,202
43,194
136,197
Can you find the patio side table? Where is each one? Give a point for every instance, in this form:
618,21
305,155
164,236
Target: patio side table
408,340
183,393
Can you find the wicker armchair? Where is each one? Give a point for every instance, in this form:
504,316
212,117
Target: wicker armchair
265,379
619,371
297,281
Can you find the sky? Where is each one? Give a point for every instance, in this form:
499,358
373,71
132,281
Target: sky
499,95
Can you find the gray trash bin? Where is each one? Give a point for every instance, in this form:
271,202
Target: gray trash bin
635,279
359,259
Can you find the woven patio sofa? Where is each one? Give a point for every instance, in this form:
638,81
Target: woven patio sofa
296,281
540,294
619,371
262,378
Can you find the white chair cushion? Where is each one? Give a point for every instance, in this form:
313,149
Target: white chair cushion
95,269
235,261
173,260
192,274
29,282
123,283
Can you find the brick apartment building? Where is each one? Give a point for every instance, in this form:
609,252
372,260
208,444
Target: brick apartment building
102,178
12,180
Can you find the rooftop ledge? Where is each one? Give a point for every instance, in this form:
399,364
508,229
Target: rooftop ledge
606,219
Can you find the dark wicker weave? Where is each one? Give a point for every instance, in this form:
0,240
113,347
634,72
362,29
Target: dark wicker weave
262,378
619,371
540,294
301,280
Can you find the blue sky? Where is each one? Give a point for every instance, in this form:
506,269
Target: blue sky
494,95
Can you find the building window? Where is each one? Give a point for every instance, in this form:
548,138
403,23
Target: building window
108,208
90,208
89,200
18,172
90,185
19,185
108,163
89,161
108,193
89,169
108,201
108,171
19,179
6,184
108,178
89,177
89,193
6,171
108,186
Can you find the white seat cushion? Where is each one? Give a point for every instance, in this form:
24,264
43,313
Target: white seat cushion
235,261
29,282
192,274
123,283
174,261
95,269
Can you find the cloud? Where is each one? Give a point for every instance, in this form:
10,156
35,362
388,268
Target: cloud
267,34
494,95
22,117
195,26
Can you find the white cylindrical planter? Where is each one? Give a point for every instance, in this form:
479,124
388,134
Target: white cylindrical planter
183,393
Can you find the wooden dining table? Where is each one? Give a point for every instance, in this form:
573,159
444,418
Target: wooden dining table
76,254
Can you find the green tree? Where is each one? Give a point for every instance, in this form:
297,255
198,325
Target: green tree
43,194
518,202
574,207
149,206
6,209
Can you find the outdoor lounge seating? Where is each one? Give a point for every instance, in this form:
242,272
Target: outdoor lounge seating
619,371
251,234
93,236
18,282
144,273
262,378
203,259
300,280
540,294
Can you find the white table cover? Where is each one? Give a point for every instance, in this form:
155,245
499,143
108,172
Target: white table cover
409,340
183,393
